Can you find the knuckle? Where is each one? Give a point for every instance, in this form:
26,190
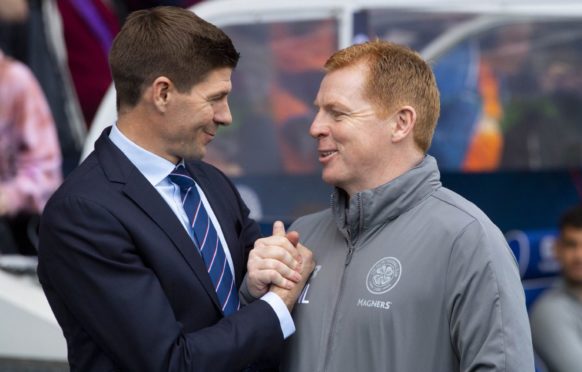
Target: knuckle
272,275
282,255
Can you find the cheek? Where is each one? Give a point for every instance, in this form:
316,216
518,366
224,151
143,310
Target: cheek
205,113
367,146
568,257
198,115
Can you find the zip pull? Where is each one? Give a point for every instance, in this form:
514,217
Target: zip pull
349,255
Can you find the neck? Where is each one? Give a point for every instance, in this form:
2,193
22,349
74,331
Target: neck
134,125
139,127
397,166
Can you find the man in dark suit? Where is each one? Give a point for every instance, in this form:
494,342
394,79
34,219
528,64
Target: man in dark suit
121,257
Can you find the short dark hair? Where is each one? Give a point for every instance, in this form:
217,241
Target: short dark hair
571,218
166,41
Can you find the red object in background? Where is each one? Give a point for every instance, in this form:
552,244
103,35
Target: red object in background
85,48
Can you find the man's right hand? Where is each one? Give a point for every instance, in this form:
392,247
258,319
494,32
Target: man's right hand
274,260
290,296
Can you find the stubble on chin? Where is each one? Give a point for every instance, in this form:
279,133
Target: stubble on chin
193,151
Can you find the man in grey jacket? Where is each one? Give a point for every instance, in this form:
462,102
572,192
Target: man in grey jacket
410,276
556,318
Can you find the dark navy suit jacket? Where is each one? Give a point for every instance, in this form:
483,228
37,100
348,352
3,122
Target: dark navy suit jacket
126,283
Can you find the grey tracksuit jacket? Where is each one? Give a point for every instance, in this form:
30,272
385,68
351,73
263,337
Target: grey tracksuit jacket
410,277
556,322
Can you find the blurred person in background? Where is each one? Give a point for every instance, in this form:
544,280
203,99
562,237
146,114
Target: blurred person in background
476,80
31,32
13,10
545,131
556,318
501,70
30,158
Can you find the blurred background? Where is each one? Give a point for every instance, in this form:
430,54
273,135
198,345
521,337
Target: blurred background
509,137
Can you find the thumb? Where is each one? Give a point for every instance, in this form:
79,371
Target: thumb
293,237
278,228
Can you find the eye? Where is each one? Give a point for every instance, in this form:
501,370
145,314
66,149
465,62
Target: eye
336,115
218,98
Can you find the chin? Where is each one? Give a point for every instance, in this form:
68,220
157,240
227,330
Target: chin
574,279
335,181
197,155
195,158
329,180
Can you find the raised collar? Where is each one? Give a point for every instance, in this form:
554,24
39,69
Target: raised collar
386,202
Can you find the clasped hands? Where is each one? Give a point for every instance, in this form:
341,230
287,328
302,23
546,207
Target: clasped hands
280,264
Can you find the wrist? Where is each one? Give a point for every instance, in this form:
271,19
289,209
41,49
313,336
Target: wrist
285,295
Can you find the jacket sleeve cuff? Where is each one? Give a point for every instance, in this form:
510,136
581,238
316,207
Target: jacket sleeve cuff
244,294
280,309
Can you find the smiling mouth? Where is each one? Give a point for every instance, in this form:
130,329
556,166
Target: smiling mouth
326,154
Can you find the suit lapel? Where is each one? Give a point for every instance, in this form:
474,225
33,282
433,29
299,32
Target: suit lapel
119,169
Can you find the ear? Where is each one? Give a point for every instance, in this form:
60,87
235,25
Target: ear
161,92
404,121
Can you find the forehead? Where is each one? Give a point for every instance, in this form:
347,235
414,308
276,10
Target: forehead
345,85
218,78
571,233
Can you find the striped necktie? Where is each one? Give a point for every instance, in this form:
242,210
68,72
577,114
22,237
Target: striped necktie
207,241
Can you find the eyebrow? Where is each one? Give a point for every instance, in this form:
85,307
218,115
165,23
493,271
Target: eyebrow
221,94
335,106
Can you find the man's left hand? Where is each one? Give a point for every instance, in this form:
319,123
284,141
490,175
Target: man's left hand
274,260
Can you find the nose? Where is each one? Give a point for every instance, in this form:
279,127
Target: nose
318,127
222,115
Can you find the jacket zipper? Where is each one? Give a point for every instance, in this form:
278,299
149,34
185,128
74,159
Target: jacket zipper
335,309
351,246
349,255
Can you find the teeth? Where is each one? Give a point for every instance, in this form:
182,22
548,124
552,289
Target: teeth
326,153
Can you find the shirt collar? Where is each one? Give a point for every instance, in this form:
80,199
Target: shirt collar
154,168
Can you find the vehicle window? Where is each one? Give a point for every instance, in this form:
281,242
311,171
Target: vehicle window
274,86
267,149
509,92
520,111
415,29
539,90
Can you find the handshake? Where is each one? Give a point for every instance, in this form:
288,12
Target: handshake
279,264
